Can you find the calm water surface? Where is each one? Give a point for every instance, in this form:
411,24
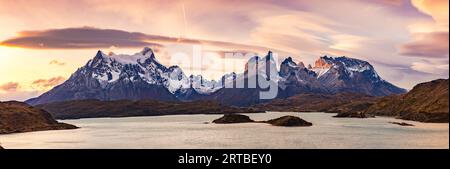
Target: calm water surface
193,131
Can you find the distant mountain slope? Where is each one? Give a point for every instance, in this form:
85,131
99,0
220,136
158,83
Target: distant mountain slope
127,108
20,117
312,102
426,102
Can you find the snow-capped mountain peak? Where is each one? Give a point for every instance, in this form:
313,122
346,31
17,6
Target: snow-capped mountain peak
141,76
146,55
143,66
337,74
350,65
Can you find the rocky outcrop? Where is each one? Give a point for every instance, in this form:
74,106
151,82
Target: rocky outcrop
297,79
129,108
402,123
18,117
322,63
289,121
286,121
233,118
353,115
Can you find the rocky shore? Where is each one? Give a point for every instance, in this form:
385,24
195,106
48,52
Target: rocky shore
353,115
128,108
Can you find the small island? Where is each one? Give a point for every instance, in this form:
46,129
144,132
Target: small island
289,121
286,121
233,118
402,123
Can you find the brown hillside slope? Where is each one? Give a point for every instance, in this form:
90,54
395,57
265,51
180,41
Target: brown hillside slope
426,102
20,117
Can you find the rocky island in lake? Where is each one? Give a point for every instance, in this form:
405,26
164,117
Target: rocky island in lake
286,121
233,118
289,121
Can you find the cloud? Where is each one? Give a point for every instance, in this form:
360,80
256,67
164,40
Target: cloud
428,45
438,69
9,87
294,32
401,74
393,2
56,62
47,83
93,38
18,95
18,91
79,38
399,69
438,9
430,39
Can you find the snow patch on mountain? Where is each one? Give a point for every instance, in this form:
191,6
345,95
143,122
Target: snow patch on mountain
320,71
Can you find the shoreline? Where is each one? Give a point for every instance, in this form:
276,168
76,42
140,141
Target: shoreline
181,131
188,114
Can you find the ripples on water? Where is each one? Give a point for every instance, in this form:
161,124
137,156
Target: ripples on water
190,131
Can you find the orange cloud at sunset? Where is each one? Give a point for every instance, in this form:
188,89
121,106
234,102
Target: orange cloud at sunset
438,9
431,45
47,83
9,87
430,39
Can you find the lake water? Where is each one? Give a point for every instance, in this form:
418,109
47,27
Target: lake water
192,131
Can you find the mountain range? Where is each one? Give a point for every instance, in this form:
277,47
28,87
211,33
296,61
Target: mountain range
140,76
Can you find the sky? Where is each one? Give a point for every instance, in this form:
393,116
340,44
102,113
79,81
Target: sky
42,42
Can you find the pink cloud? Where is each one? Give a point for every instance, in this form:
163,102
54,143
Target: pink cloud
47,83
9,87
427,45
89,37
